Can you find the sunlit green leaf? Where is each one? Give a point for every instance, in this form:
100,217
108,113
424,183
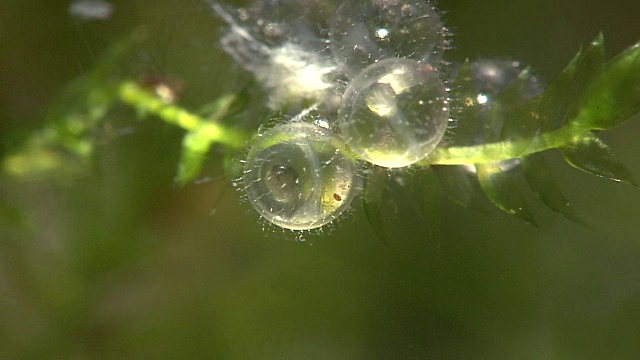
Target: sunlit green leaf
614,97
37,158
589,65
373,192
542,182
561,100
423,192
195,146
592,155
464,108
501,189
74,118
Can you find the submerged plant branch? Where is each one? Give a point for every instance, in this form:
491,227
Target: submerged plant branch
145,102
505,150
588,96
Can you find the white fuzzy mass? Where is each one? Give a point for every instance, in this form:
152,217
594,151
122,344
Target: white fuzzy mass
294,74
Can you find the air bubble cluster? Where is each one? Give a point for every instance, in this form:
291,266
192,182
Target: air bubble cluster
371,66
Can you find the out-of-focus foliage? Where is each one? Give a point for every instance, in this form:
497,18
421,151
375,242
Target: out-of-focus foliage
121,263
561,117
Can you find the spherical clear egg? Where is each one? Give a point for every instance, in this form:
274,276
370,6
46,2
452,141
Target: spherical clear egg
394,112
365,31
501,83
275,22
297,176
284,44
492,77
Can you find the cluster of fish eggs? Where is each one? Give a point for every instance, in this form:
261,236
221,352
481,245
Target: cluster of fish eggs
378,58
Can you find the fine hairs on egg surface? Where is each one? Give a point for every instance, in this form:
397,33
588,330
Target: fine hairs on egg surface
379,75
298,177
491,78
395,109
394,112
366,31
283,44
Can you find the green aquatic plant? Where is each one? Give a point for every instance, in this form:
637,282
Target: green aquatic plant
395,118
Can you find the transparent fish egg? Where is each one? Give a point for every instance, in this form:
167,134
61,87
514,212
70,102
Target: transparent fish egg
394,112
365,31
492,78
276,22
283,44
297,177
301,21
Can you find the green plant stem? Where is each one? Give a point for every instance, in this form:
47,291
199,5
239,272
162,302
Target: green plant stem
144,101
505,150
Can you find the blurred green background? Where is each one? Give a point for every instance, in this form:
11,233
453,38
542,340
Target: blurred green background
118,262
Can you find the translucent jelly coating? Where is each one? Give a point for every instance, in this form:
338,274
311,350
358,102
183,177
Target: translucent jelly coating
297,177
275,22
491,78
365,31
284,44
394,113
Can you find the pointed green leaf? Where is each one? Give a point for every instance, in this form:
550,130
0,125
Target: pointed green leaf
455,182
504,103
464,108
195,146
552,109
561,101
373,192
519,123
423,192
542,182
592,155
614,97
588,66
501,189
